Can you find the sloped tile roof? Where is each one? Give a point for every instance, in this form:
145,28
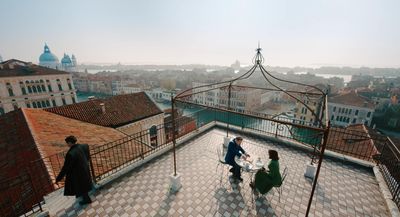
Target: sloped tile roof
49,131
119,110
351,98
13,68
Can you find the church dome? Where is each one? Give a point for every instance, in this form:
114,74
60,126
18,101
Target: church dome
66,59
47,56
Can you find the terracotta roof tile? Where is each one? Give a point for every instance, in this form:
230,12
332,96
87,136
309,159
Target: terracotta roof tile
49,131
13,68
354,140
351,98
119,110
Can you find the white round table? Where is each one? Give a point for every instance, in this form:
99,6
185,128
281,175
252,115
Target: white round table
252,165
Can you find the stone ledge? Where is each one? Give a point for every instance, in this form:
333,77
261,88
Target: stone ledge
393,209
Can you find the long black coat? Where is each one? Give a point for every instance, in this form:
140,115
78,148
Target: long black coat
76,169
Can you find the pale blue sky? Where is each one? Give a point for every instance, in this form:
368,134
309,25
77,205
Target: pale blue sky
292,33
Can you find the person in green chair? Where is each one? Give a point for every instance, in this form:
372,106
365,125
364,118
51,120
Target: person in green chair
264,180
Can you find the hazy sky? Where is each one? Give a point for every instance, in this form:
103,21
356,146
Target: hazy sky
292,33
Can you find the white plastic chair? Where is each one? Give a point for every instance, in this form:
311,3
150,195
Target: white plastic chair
222,163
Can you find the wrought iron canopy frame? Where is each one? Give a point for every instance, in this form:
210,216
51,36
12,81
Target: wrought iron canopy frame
321,125
311,91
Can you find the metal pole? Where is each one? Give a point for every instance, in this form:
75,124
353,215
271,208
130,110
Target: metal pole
92,169
173,132
321,157
229,108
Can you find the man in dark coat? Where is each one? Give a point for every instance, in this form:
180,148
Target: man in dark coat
234,149
76,170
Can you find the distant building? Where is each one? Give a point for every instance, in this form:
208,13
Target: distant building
67,64
241,99
161,95
131,88
48,59
123,86
236,65
26,85
169,84
302,114
1,59
350,108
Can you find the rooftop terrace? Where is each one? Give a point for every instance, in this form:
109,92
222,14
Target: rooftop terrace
344,189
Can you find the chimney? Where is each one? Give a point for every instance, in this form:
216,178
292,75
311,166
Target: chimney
103,108
91,98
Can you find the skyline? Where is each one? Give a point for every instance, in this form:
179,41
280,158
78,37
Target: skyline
307,34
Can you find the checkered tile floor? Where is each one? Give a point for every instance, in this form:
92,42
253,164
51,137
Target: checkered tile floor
343,190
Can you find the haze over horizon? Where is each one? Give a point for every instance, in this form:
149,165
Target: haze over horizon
292,33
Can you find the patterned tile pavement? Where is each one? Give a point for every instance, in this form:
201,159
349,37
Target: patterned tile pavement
343,189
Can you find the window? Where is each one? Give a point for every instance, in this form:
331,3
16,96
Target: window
23,90
29,89
54,103
10,90
47,103
153,135
39,105
354,121
332,117
73,100
366,123
43,88
356,112
63,101
369,114
337,118
34,105
49,88
39,89
334,108
2,111
70,85
350,111
28,105
59,85
34,89
340,110
15,106
43,104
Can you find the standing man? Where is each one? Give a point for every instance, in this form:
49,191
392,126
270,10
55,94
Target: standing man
234,149
78,181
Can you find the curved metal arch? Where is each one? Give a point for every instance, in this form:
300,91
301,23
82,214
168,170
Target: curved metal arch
258,59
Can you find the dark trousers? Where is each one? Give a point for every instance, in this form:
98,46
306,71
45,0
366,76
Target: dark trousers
85,197
236,170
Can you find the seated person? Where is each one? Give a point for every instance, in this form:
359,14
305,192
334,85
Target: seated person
234,149
265,180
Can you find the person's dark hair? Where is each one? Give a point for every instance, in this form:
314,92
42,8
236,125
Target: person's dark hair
273,155
71,139
239,138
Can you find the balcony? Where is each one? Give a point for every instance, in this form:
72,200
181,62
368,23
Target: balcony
133,177
344,189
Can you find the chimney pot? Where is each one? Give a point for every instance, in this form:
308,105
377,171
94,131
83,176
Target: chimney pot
103,108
